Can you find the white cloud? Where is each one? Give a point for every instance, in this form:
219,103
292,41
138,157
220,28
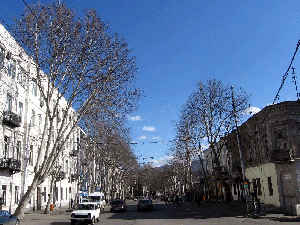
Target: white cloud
251,111
149,128
162,161
135,118
142,137
156,138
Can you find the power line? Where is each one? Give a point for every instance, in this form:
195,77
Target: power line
286,73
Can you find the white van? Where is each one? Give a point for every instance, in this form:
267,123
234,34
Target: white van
97,197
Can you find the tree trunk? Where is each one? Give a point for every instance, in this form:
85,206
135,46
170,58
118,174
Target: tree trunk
20,210
47,209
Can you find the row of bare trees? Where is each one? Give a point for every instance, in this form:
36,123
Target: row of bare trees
207,116
78,64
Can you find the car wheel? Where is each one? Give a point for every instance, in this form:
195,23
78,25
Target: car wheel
73,222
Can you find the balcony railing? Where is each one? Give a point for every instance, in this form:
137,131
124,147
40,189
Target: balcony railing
10,164
11,119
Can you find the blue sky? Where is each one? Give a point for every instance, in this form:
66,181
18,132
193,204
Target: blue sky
248,44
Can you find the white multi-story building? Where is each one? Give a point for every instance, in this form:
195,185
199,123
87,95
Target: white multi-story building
22,114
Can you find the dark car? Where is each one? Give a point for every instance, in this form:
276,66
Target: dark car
118,205
7,218
144,204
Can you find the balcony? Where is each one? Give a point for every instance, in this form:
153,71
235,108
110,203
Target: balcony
236,167
61,175
74,177
74,153
11,119
10,164
280,155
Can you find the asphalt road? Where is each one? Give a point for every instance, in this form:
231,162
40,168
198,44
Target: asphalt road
187,214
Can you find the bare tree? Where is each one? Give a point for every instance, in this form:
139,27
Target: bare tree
184,145
78,64
208,114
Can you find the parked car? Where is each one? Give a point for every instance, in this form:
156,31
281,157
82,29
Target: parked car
87,212
7,218
144,204
118,205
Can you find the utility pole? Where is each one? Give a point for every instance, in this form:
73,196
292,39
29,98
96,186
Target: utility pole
240,151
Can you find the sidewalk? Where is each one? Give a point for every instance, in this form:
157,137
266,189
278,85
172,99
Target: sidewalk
242,208
39,214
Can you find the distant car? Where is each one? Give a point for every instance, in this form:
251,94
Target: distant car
118,205
115,199
7,218
144,204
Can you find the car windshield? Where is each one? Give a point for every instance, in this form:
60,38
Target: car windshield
4,214
117,202
145,201
85,207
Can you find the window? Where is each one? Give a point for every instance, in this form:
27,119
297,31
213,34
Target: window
33,117
258,185
67,166
34,89
6,147
40,122
30,198
4,194
17,150
22,76
12,68
45,194
30,157
61,193
21,110
55,196
270,186
266,145
2,56
16,194
9,102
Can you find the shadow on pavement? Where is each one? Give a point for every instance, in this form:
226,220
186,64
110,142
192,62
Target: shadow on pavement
287,219
187,210
61,223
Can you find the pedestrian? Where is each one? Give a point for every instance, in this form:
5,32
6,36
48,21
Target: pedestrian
257,206
167,200
177,201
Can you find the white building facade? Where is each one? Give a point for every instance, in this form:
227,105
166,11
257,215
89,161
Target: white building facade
22,114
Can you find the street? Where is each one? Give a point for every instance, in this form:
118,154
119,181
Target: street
189,213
